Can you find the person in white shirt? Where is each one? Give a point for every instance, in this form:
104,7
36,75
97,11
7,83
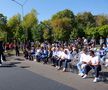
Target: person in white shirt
102,54
54,56
84,59
58,56
68,58
93,64
62,56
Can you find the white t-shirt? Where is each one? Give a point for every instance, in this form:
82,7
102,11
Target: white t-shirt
63,55
54,53
94,60
59,53
69,55
85,58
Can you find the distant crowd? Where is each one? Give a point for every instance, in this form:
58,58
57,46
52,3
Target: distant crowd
86,55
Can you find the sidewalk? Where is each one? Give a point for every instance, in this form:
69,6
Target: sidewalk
66,78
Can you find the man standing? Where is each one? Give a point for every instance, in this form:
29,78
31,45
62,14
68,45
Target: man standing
1,51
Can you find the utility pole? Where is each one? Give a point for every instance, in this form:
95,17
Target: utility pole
22,8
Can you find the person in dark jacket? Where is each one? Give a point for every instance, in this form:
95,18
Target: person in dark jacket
17,50
1,51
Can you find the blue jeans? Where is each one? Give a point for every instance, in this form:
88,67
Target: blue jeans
79,67
60,62
66,63
102,58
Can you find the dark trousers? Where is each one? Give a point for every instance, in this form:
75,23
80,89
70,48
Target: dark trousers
55,61
66,63
17,52
95,68
1,56
60,63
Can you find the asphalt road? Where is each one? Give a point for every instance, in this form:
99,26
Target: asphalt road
15,78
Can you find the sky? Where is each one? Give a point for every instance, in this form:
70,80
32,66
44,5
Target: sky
47,8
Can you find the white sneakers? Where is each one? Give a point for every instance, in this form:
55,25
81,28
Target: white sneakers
96,80
81,74
64,69
84,76
58,68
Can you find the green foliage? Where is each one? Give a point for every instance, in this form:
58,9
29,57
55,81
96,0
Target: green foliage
63,26
37,33
101,20
30,20
97,31
63,23
103,30
47,30
3,21
3,35
14,27
86,19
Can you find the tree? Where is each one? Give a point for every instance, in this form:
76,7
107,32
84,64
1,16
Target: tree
3,22
85,19
29,21
37,33
63,23
15,30
101,20
47,31
3,26
103,31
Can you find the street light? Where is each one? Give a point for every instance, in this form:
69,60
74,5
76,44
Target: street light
22,8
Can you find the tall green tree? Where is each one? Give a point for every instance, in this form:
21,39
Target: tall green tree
63,23
3,26
85,19
37,32
15,30
3,22
29,21
47,31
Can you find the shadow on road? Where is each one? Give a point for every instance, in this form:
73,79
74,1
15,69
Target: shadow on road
24,66
11,64
19,59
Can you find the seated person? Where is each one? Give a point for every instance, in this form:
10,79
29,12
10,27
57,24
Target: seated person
32,53
84,59
38,54
54,56
102,54
68,58
94,64
25,53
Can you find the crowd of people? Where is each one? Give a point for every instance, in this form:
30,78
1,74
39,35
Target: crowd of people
85,55
81,52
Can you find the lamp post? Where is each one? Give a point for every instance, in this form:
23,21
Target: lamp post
22,8
21,5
